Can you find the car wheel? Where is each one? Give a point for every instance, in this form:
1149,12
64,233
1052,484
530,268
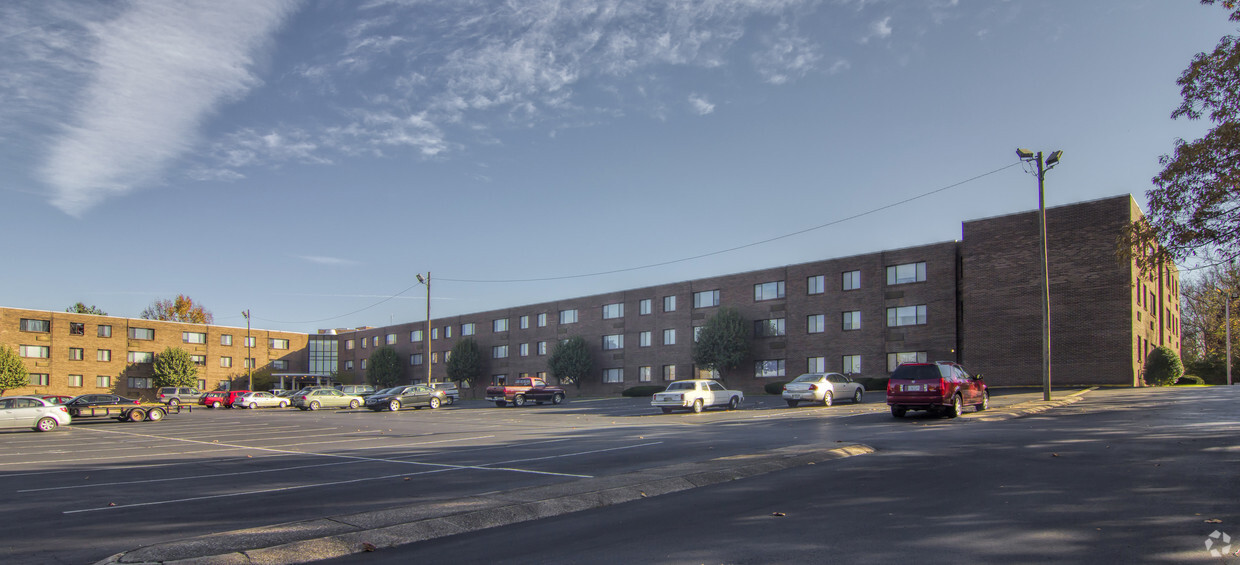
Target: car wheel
666,410
394,405
46,424
558,398
734,403
449,401
215,404
314,405
136,415
698,406
173,402
354,403
434,402
792,403
957,407
857,396
985,402
283,404
252,406
828,398
518,400
155,415
501,403
898,411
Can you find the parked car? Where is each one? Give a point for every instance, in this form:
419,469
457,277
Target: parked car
96,400
260,400
231,396
822,387
173,395
214,399
357,390
450,390
56,398
940,388
525,389
325,398
32,412
399,397
697,395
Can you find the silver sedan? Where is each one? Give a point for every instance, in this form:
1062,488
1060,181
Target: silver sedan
32,412
822,387
260,400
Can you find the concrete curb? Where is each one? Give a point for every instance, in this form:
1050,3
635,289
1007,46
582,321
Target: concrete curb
1026,408
337,536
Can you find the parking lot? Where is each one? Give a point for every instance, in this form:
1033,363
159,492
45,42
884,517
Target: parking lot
100,486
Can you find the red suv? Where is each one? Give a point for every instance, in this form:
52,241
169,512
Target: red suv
940,388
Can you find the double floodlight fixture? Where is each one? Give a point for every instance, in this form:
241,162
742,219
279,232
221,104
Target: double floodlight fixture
1051,160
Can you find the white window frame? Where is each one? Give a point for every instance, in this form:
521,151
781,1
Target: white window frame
816,324
901,316
816,284
851,280
906,273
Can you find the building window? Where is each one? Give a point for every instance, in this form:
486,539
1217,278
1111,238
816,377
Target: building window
279,365
524,322
611,311
568,316
895,359
103,355
852,280
769,368
611,342
194,337
75,381
33,351
542,320
852,320
706,299
141,357
226,339
141,333
500,325
613,375
105,331
499,352
816,365
906,273
816,324
348,365
39,379
467,329
542,348
434,333
225,362
768,291
390,339
524,349
644,307
348,344
415,336
251,341
669,372
669,303
906,316
697,331
643,339
202,384
447,332
77,328
669,337
76,354
643,373
199,360
415,359
816,284
852,364
768,328
374,340
103,381
139,382
40,326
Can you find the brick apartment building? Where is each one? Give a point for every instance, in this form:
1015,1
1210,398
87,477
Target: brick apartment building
976,301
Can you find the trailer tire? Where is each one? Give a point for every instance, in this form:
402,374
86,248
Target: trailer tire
155,415
137,415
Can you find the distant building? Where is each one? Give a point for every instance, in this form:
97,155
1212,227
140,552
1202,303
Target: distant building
976,301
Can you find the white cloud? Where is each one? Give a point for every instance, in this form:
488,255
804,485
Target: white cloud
787,55
701,105
321,260
158,70
880,29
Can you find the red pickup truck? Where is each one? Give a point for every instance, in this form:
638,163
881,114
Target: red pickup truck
525,390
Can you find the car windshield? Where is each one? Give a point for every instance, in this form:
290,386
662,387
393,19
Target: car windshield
682,386
807,378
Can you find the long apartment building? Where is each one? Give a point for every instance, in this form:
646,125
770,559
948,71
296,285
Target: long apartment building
976,301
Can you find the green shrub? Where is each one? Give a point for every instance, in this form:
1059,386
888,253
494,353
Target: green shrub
645,390
776,387
1190,380
1163,367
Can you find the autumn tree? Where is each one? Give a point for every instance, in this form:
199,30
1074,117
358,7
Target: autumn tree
13,372
570,361
383,368
723,341
1203,321
81,308
182,309
174,367
1195,207
464,361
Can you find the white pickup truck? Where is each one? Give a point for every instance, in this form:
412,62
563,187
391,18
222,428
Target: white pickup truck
697,395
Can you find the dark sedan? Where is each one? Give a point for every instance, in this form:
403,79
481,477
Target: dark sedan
397,397
96,400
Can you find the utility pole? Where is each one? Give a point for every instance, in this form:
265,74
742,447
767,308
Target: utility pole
426,355
249,365
1052,160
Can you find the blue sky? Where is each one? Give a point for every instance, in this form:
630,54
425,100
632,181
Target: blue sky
306,159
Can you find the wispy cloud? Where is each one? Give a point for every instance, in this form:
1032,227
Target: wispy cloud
701,105
880,29
322,260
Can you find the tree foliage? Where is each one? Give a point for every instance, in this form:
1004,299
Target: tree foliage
174,367
1163,367
723,342
180,309
384,368
13,372
464,361
82,308
1203,321
1195,206
571,361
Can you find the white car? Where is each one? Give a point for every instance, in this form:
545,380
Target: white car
32,412
822,387
260,400
697,395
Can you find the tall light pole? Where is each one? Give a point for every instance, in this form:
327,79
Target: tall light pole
1227,298
426,355
1052,160
249,366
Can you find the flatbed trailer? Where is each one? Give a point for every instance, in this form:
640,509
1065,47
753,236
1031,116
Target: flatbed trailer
128,412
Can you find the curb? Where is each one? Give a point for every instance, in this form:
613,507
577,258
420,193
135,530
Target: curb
338,536
1026,408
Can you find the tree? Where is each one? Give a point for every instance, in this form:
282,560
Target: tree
570,361
1195,206
13,372
182,309
464,361
383,369
174,367
723,341
1163,367
81,308
1203,322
